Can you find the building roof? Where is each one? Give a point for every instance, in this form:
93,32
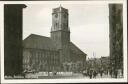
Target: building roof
42,42
75,49
38,42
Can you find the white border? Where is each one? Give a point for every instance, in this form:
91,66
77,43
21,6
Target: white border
64,80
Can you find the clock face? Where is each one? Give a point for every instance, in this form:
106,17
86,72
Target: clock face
56,15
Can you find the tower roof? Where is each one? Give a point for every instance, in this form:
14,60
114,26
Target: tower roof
60,9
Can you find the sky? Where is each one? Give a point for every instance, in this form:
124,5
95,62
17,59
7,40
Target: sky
89,25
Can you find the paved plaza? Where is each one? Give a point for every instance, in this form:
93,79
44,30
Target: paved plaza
64,76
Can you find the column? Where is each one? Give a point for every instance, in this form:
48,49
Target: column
13,39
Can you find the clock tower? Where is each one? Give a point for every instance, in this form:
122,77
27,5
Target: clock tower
60,33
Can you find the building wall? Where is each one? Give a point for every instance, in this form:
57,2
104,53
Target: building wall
41,60
13,39
46,60
77,61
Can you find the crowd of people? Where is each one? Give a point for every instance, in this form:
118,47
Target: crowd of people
92,73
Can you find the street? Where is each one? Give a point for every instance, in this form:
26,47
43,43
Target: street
64,76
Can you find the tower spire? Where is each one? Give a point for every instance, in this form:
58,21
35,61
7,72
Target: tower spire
60,5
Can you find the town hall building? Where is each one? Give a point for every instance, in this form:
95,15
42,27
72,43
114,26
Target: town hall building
55,53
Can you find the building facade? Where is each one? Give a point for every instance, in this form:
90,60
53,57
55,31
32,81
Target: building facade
40,54
56,52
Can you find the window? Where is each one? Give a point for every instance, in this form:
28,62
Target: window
64,15
56,24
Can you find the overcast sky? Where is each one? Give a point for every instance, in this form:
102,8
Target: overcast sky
89,25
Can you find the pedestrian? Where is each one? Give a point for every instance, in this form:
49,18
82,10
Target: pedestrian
90,73
116,73
101,73
110,72
94,74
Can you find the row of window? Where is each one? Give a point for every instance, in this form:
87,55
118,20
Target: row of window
42,62
48,54
56,25
27,56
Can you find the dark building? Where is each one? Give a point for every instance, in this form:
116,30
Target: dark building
40,54
116,37
13,39
57,51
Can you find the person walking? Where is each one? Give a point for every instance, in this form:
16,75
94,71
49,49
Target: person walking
90,73
101,73
94,74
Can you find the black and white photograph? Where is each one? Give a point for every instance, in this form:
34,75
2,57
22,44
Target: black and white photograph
75,41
